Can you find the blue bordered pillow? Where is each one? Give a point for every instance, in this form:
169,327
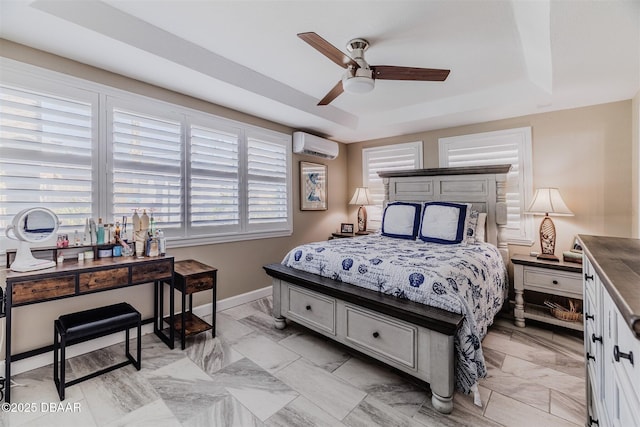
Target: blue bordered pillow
401,220
443,222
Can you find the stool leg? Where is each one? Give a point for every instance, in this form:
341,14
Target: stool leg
126,342
63,359
56,347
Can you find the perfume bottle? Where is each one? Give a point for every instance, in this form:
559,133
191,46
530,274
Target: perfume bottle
100,232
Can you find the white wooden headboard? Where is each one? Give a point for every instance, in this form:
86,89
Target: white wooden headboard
482,186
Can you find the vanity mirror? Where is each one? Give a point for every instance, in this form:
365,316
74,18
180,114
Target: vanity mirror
31,225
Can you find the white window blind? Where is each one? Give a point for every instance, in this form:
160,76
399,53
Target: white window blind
46,155
386,158
147,167
267,172
214,183
512,146
88,150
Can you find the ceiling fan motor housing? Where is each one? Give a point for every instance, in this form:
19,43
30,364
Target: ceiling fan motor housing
358,80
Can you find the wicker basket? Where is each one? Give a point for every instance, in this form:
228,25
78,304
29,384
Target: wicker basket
569,316
560,311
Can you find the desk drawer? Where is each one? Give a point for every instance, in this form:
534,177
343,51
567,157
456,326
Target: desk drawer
150,272
556,282
392,339
103,279
43,289
311,309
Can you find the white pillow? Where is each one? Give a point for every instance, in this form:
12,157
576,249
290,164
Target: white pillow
470,226
443,222
481,227
401,220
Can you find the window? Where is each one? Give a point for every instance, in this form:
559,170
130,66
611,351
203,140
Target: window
386,158
86,150
47,155
512,146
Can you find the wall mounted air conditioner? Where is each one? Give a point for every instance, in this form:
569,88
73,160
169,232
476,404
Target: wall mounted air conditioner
305,143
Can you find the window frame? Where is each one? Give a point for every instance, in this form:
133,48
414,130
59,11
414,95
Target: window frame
521,138
33,78
390,148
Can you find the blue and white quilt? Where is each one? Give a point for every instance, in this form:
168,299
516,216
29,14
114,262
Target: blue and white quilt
466,279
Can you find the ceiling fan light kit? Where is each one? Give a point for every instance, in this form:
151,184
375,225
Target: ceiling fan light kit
360,76
361,82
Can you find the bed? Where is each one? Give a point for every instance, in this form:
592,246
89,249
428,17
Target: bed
427,312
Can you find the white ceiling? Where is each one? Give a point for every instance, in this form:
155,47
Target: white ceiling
507,58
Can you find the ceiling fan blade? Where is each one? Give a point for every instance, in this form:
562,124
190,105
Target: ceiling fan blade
333,94
390,72
328,50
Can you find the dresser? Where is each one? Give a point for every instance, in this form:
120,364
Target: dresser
611,286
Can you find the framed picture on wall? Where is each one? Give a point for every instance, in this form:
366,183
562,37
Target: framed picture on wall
313,186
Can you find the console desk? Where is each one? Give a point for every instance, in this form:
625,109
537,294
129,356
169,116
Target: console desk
73,278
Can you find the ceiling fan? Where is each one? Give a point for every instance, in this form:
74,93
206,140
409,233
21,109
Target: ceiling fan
360,77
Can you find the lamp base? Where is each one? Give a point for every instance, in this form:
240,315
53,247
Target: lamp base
362,220
548,239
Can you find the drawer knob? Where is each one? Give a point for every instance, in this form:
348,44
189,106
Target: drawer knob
594,338
593,421
589,316
617,354
588,277
308,307
555,282
376,334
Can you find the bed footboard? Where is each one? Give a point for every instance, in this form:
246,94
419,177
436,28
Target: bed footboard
408,336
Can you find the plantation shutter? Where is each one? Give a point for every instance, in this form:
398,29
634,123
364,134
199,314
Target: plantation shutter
267,198
493,148
387,158
46,148
214,185
147,167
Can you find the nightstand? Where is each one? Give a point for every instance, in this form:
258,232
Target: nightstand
556,278
189,277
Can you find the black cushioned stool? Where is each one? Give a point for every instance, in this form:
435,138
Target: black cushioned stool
86,325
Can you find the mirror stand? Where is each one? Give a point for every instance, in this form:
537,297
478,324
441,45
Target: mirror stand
25,261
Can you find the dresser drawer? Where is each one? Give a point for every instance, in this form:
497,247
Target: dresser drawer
628,347
314,310
556,282
103,279
43,289
384,336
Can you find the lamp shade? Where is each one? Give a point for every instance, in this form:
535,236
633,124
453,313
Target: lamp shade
547,201
361,197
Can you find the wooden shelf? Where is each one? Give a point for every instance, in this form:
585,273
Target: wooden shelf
193,324
541,314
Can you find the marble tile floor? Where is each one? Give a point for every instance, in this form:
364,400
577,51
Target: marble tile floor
252,374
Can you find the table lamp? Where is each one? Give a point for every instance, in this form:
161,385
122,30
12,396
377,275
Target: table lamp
548,202
362,197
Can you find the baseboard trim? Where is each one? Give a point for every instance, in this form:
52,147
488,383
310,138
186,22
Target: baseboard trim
92,345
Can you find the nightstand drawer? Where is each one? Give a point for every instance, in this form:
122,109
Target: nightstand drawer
556,282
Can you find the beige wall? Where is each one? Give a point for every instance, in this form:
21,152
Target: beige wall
586,152
239,264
